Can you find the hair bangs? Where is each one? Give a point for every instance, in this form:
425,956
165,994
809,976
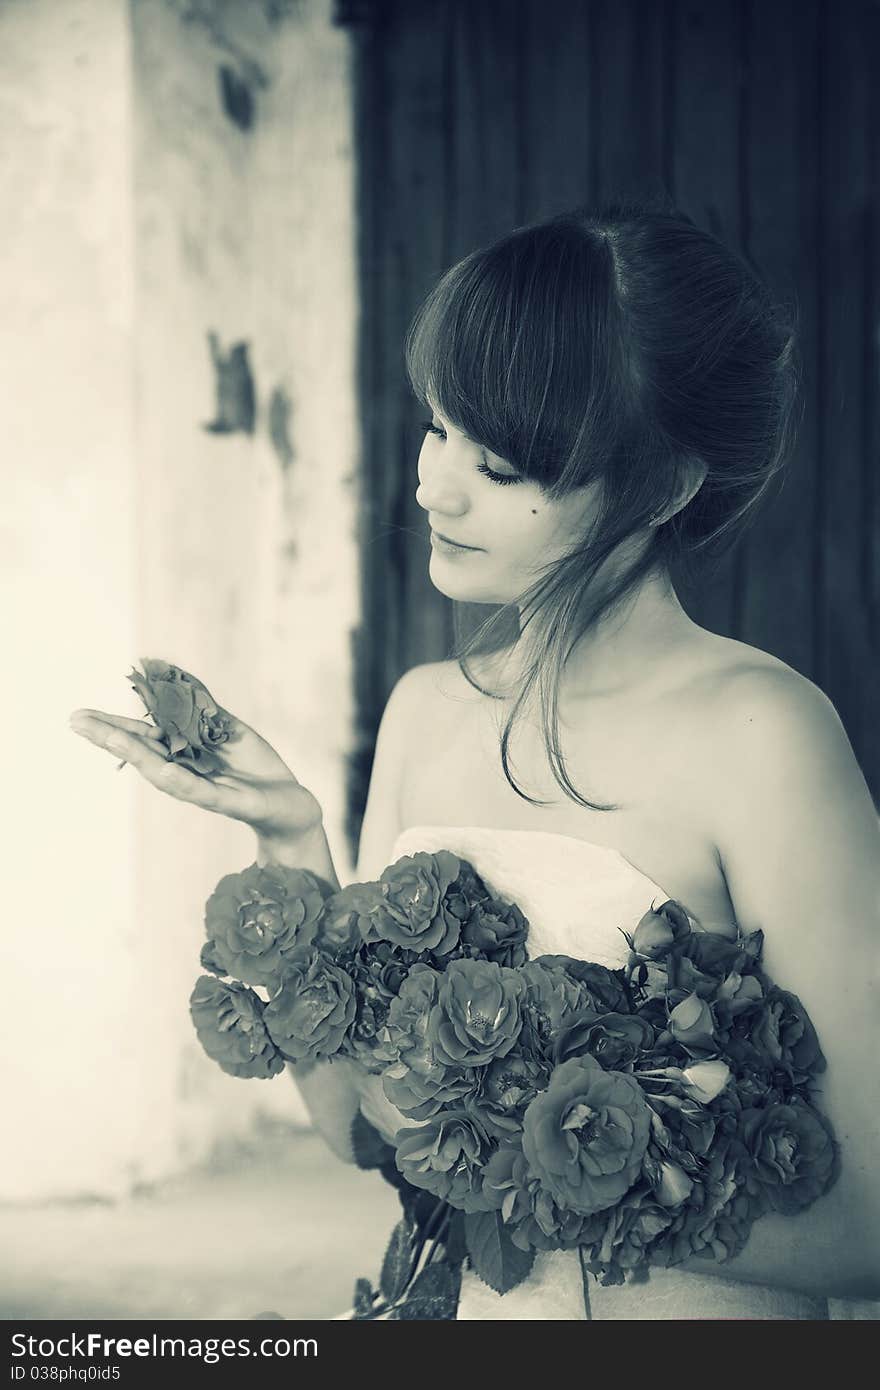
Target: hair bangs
511,346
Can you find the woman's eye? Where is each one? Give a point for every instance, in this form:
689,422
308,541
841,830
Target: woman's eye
428,427
487,472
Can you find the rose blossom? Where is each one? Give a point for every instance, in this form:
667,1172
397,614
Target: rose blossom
409,907
586,1135
478,1013
257,921
313,1011
691,1024
228,1020
793,1154
192,724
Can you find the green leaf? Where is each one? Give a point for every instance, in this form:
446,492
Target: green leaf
370,1149
434,1294
498,1262
396,1264
363,1298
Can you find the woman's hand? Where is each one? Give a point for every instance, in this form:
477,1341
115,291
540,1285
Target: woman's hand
255,786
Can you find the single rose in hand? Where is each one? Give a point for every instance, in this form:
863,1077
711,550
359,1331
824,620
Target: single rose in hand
193,725
257,920
228,1019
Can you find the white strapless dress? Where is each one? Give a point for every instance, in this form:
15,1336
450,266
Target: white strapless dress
576,895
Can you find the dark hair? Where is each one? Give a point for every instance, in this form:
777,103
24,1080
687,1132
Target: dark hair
623,346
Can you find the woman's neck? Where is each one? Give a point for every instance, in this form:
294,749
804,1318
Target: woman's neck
624,653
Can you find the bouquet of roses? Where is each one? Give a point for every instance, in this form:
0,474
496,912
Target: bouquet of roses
640,1116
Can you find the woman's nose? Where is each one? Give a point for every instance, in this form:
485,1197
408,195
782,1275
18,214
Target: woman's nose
438,492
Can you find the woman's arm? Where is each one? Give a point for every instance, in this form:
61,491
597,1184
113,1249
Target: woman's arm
332,1091
800,845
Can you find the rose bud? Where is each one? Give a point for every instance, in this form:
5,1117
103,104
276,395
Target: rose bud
691,1024
657,931
192,725
705,1080
674,1186
739,992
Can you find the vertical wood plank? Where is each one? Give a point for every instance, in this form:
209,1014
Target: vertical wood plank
368,648
871,343
848,667
486,121
781,199
630,97
557,108
706,175
402,96
419,187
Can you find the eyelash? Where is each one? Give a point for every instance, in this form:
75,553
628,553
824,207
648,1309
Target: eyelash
428,427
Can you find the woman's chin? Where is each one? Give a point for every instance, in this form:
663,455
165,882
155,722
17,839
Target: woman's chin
459,587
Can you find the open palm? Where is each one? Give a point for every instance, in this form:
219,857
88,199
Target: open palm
255,785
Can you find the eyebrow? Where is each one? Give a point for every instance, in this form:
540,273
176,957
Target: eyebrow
484,449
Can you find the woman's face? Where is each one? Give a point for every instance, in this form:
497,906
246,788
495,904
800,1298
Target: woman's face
474,497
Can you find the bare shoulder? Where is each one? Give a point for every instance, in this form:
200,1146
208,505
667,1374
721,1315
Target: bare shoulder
421,690
761,707
779,750
436,685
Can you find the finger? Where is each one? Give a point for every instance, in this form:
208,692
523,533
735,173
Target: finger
118,721
131,746
244,803
160,771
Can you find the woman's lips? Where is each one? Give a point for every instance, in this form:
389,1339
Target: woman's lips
444,543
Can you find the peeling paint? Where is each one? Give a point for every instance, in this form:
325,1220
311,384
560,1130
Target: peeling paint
280,410
234,388
236,97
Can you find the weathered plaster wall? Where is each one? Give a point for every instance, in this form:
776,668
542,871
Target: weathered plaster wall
141,218
247,566
70,1023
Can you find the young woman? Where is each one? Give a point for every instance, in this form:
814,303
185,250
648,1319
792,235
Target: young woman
610,393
